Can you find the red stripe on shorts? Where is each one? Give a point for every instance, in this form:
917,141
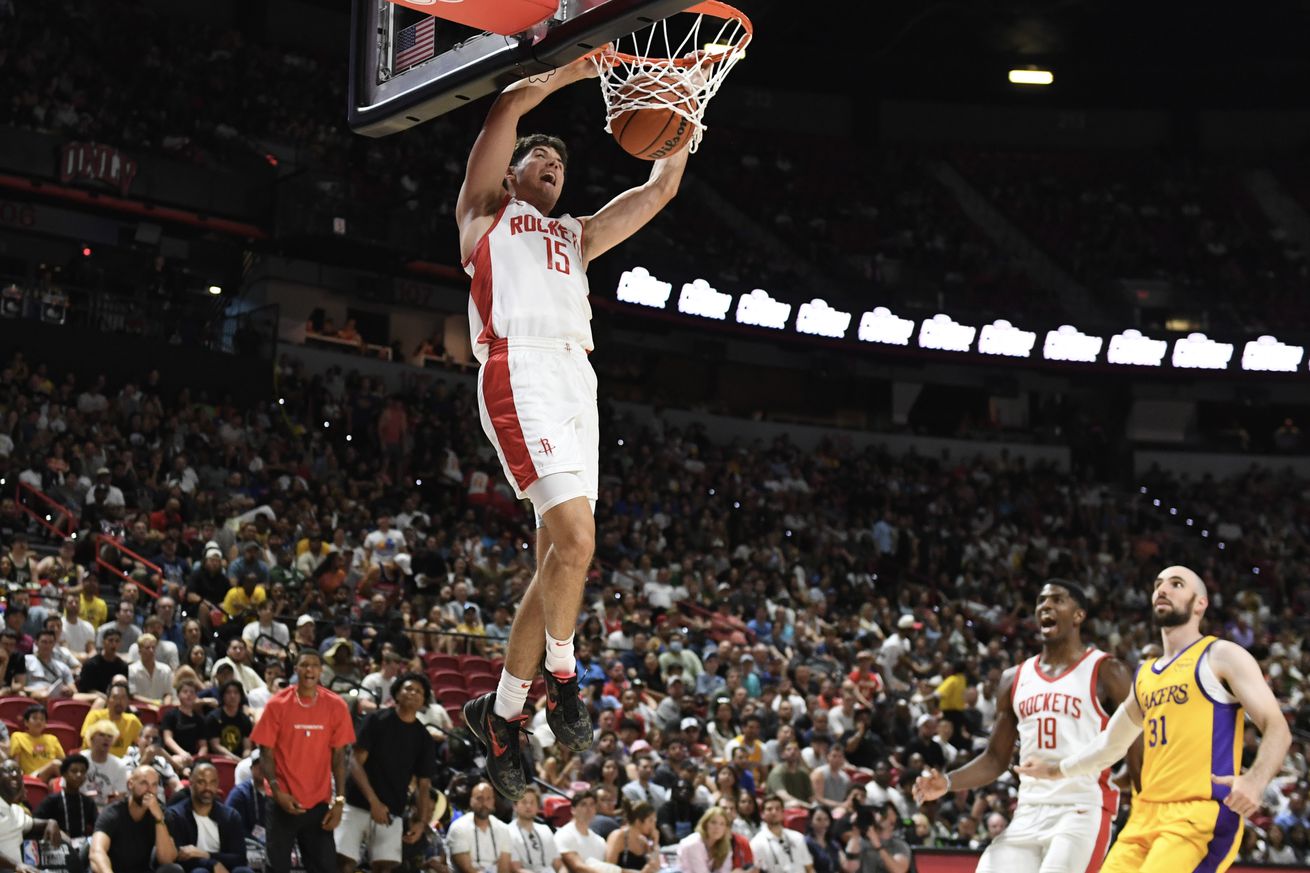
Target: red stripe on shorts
1102,836
498,394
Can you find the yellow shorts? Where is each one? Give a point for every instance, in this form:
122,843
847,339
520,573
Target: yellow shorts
1198,835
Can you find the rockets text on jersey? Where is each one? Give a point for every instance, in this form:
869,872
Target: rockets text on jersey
1058,716
528,280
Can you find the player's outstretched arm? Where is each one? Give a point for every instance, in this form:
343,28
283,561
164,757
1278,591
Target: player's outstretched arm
1109,746
1114,682
628,213
1236,667
987,767
483,190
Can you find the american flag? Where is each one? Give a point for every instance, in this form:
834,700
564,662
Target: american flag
415,43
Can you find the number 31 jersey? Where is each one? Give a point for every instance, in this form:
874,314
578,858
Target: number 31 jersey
1058,716
528,280
1192,727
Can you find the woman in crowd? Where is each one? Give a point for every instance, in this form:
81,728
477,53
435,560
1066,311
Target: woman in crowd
562,766
612,775
708,849
725,785
649,673
431,640
722,729
197,658
823,844
747,821
636,845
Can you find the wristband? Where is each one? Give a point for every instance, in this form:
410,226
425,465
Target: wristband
949,786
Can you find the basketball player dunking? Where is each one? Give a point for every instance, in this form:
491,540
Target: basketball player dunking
1053,702
1189,704
531,328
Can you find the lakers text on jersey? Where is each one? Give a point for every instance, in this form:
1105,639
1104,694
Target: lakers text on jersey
1192,728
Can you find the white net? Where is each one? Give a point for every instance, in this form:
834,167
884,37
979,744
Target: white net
677,63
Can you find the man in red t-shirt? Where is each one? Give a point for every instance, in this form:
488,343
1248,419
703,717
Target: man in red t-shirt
867,679
303,738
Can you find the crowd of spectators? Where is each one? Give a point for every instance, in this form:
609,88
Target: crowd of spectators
720,649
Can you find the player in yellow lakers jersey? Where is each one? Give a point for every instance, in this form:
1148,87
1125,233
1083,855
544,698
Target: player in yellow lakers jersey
1189,706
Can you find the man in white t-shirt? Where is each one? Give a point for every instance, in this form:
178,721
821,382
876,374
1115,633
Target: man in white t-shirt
581,850
15,821
778,849
383,544
79,634
264,635
479,842
898,645
150,679
106,774
534,844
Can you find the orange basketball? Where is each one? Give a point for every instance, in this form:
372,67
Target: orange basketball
651,134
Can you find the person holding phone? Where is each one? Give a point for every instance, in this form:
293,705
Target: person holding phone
876,845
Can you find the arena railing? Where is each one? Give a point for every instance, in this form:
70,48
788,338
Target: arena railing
105,543
53,516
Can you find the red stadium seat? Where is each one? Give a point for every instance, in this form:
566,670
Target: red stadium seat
796,819
147,714
467,662
70,711
436,661
12,708
36,790
482,684
557,810
456,713
446,679
449,697
480,669
69,737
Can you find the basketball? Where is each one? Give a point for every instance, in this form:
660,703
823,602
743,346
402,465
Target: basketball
651,134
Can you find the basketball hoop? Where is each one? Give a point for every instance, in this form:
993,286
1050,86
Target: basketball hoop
676,67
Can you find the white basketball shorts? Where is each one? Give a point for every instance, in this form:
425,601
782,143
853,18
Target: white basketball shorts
357,828
537,401
1050,839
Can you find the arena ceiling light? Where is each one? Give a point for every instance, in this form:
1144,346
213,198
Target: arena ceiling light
216,290
1031,77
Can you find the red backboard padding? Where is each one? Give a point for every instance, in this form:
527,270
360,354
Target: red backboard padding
505,17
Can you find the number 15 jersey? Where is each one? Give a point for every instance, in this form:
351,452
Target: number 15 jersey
528,280
1058,716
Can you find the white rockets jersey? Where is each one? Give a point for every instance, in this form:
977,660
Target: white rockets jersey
528,280
1058,716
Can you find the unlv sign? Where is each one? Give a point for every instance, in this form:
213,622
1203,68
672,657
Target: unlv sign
87,161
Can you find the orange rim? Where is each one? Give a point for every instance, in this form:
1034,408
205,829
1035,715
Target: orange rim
713,8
